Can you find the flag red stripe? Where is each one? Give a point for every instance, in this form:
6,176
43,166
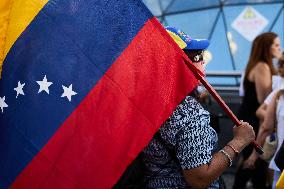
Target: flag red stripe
116,119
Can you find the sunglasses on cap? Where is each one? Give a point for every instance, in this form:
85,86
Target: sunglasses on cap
194,55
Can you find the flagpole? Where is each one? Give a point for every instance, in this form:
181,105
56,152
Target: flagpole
200,76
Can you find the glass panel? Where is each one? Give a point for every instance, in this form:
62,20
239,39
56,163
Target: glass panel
184,5
240,44
165,3
227,2
279,28
196,24
220,55
153,6
197,18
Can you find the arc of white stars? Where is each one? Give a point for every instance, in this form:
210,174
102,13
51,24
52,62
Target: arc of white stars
43,85
68,92
19,89
3,104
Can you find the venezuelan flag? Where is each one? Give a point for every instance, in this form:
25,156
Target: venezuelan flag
85,85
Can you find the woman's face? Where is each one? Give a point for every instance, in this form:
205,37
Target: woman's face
275,48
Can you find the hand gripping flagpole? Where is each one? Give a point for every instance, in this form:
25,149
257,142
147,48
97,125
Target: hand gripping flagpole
200,76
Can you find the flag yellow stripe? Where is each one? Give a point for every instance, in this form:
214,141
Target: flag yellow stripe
5,8
15,16
280,183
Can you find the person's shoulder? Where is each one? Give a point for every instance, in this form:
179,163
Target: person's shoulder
191,109
261,69
262,66
190,103
188,109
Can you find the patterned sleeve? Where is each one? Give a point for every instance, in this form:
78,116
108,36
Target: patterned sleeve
195,141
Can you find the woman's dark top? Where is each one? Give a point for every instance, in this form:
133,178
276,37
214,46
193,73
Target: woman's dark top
249,105
248,108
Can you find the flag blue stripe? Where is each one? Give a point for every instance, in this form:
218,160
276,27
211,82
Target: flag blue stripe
71,42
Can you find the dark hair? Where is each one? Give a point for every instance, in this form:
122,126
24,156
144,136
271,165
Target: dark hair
193,53
281,61
261,52
195,93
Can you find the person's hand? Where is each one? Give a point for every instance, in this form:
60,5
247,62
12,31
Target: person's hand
243,135
250,162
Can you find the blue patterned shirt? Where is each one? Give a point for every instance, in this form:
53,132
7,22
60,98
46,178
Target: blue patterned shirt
189,137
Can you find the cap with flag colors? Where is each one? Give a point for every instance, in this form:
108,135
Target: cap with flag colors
186,42
76,109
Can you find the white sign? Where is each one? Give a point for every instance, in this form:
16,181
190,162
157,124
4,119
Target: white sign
249,23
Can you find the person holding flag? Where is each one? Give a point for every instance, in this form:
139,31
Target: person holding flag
180,154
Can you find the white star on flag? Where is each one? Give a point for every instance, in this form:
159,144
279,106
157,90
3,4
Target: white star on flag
19,89
3,104
44,84
68,92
